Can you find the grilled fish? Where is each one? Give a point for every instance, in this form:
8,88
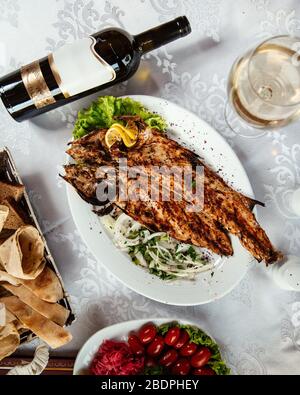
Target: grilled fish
224,211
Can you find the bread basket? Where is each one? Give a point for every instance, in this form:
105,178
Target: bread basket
8,172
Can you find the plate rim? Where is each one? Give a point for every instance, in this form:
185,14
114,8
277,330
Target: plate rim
250,194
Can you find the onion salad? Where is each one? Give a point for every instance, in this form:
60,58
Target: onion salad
162,255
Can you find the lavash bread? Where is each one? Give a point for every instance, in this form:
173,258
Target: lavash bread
2,314
46,286
54,335
16,215
4,211
9,340
22,255
11,190
54,311
10,194
7,278
10,318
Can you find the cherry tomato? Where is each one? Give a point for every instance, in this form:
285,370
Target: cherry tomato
181,367
183,338
201,357
147,333
168,358
135,345
188,349
150,362
156,346
204,371
172,336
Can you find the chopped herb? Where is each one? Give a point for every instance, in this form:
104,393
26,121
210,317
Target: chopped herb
192,253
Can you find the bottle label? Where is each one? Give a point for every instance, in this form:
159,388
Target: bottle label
78,67
36,86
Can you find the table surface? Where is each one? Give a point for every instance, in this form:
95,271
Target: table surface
257,324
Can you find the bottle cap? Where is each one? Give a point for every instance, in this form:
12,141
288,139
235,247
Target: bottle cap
183,25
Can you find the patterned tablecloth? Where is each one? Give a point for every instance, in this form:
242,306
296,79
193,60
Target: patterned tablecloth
257,324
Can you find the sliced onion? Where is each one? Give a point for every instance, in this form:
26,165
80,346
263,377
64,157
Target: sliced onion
164,253
141,259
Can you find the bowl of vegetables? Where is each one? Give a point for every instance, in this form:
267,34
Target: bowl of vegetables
151,347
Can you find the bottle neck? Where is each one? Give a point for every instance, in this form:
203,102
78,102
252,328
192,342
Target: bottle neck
163,34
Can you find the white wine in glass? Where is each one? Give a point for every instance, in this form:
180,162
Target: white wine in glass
264,84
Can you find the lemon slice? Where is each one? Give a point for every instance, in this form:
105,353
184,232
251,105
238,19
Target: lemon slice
127,130
112,136
131,133
118,132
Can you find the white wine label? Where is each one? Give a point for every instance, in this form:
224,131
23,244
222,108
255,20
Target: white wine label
36,86
77,67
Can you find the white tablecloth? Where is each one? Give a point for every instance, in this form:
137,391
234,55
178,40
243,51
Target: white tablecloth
257,324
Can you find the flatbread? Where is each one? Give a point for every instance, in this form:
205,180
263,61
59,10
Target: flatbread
10,189
22,255
17,217
3,215
9,340
5,277
54,311
51,333
9,318
46,286
2,314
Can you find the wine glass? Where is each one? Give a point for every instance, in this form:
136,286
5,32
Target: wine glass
264,87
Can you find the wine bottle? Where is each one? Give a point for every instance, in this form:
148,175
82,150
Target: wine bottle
84,67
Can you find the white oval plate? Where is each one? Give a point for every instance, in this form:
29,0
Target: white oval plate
197,135
116,332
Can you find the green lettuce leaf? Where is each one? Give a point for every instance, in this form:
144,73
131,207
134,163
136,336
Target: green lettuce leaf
197,336
155,370
101,113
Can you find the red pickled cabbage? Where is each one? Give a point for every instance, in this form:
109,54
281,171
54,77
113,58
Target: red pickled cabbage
116,358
